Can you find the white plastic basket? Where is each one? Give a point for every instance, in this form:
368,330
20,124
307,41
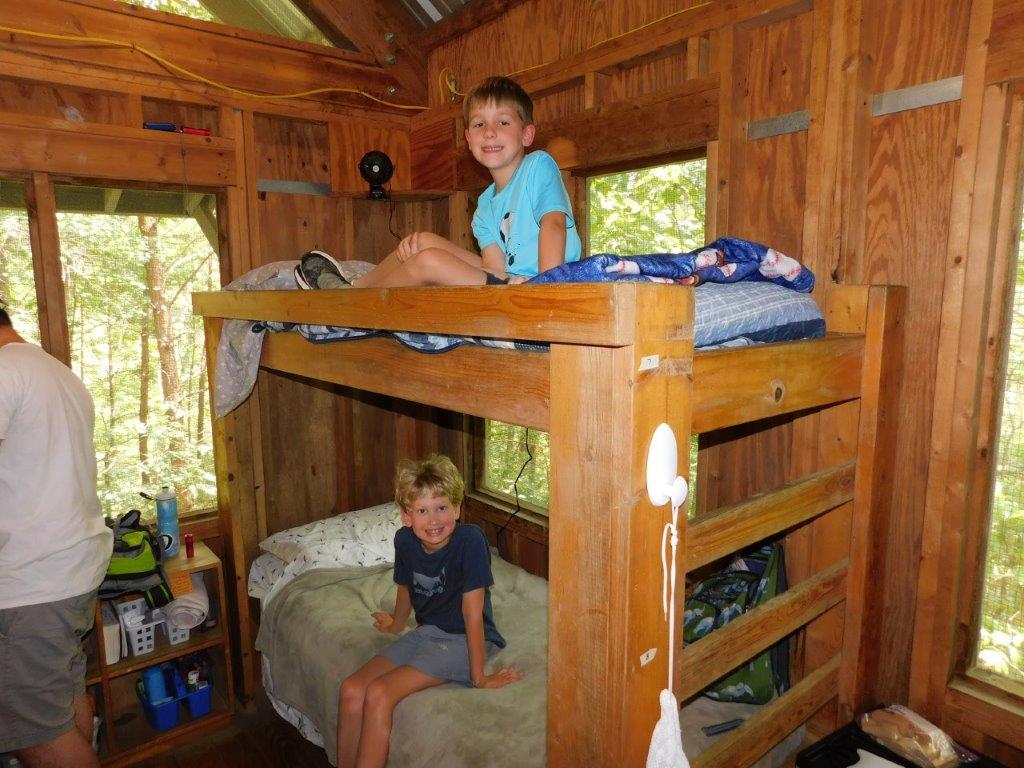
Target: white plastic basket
173,633
139,625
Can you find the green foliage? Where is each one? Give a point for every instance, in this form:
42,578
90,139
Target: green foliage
1001,634
17,283
193,9
109,310
104,260
652,210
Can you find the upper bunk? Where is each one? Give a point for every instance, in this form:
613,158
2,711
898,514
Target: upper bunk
730,385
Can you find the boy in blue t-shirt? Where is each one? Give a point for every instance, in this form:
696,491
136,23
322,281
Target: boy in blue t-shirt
443,573
523,222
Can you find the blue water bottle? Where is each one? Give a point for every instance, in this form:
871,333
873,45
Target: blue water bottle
167,520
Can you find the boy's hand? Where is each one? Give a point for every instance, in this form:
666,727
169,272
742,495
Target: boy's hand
408,247
517,279
384,622
499,679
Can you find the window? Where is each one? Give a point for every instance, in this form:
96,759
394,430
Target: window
1000,642
274,17
17,279
649,210
131,259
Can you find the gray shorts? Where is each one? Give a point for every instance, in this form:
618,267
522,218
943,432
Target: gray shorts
435,652
42,669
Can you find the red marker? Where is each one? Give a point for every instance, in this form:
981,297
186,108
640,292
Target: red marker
195,131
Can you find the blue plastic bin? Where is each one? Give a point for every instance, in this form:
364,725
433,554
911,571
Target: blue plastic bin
164,714
199,701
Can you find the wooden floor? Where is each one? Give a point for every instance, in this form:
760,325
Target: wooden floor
255,739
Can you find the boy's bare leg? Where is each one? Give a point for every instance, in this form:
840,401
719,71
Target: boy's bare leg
381,275
71,748
431,266
351,695
382,696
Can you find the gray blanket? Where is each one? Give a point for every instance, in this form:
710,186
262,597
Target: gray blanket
318,630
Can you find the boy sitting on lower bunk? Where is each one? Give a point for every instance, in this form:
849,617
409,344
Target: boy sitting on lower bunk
443,572
523,222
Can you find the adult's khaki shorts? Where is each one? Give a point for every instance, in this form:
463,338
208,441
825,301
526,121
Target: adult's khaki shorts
42,669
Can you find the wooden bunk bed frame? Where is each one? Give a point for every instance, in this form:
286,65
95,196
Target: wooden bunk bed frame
621,361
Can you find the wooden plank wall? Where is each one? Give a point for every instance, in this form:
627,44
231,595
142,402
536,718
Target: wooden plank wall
860,199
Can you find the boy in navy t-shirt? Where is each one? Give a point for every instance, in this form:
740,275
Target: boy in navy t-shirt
443,573
523,223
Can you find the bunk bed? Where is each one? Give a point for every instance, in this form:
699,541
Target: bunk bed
621,360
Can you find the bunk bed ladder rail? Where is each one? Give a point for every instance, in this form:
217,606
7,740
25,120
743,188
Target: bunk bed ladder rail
862,482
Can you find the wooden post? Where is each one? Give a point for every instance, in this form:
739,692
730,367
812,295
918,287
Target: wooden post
605,536
237,509
45,240
872,500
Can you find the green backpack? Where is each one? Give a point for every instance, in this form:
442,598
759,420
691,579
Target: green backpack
135,563
748,581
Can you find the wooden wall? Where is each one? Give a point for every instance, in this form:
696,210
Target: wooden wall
858,197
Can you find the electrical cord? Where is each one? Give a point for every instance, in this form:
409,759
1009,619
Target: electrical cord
195,75
515,487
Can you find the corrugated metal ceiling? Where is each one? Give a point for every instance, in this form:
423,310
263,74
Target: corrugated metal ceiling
427,12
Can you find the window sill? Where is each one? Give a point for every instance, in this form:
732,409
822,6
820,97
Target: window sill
985,708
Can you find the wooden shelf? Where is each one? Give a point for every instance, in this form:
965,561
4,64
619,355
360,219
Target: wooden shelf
164,651
126,737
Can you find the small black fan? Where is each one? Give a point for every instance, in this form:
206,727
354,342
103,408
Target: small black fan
376,168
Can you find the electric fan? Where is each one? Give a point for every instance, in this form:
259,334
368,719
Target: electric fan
376,168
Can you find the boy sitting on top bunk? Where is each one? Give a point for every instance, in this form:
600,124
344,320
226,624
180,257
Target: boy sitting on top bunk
443,571
523,222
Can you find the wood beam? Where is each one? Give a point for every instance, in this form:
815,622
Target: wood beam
601,314
206,217
373,30
477,381
99,151
467,18
732,528
714,656
222,54
792,376
45,240
775,720
605,567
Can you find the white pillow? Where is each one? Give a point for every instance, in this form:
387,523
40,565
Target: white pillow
361,537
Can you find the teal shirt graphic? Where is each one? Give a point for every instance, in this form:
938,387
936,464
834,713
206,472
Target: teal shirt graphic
511,218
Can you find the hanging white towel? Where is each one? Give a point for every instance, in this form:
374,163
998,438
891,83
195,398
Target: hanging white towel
667,741
189,611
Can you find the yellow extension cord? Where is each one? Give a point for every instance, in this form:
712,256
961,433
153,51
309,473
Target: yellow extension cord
445,83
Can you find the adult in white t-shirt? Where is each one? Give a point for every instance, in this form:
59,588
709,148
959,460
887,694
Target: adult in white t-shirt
54,550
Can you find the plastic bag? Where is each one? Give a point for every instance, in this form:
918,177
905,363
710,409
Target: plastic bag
910,735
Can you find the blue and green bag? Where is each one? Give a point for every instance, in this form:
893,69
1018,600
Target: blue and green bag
135,563
748,581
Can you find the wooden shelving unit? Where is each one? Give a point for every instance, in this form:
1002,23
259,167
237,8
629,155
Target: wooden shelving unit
125,736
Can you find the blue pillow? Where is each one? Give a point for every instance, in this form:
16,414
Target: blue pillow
753,312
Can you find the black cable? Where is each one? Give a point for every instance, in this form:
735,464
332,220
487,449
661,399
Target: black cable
391,213
515,487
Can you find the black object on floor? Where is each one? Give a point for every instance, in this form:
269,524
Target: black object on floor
839,750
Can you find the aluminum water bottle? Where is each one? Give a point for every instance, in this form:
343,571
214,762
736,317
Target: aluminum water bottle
167,520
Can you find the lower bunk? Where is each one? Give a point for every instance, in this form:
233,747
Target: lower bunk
316,630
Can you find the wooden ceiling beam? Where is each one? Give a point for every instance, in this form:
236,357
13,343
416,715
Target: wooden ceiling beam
467,18
374,30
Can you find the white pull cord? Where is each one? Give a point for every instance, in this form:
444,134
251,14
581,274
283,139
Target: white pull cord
668,585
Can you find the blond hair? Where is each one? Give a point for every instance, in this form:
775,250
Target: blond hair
500,90
435,476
